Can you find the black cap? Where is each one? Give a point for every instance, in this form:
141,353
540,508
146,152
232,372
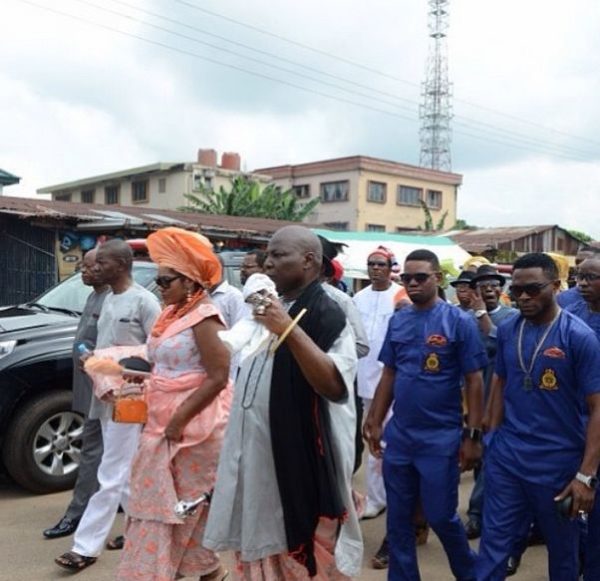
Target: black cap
487,271
330,251
465,277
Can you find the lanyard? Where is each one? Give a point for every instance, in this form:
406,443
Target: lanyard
528,383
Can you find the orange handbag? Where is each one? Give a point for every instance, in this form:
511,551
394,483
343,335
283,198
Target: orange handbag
130,410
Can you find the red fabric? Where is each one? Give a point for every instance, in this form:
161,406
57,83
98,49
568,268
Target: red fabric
338,270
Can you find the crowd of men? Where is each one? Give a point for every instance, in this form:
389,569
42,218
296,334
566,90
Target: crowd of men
506,383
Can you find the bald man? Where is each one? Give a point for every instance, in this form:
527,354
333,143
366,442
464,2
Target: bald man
91,438
282,499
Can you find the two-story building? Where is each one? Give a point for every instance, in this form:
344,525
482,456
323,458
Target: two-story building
356,193
369,194
160,185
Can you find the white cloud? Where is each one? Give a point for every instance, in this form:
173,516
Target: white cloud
76,100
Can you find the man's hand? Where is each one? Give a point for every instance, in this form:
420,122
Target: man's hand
477,303
583,497
275,318
372,434
469,454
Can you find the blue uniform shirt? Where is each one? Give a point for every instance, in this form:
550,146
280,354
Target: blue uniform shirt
569,297
430,351
591,319
542,435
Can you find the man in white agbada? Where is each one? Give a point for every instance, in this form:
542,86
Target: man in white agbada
376,306
292,410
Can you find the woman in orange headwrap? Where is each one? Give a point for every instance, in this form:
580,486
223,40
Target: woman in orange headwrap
188,405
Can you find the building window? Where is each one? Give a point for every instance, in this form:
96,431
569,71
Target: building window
302,191
375,228
377,192
434,199
62,198
335,191
409,196
341,226
87,196
162,185
111,195
139,192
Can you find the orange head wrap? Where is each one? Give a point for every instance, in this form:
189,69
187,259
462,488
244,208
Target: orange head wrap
187,253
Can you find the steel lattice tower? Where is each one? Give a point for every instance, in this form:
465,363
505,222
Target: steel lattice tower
435,112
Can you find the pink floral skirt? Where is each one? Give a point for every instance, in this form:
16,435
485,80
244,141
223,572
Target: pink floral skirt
159,551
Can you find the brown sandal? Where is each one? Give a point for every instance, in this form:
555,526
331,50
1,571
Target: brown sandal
74,561
116,544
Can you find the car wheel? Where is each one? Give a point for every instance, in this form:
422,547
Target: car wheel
42,445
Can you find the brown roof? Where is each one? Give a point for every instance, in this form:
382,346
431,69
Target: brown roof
88,216
480,239
361,162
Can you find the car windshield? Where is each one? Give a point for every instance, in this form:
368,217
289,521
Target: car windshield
71,293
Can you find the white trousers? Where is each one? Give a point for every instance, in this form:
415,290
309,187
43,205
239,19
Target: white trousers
120,446
374,476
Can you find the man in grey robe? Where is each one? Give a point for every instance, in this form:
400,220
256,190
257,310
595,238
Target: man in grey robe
247,511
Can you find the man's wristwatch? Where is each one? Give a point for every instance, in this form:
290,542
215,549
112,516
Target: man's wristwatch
589,481
474,434
479,313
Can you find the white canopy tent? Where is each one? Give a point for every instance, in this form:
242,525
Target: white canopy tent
361,244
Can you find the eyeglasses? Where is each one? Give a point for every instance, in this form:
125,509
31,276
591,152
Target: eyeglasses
377,263
490,283
165,281
420,277
532,290
587,276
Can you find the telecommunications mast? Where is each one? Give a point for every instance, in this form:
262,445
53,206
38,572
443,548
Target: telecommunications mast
435,111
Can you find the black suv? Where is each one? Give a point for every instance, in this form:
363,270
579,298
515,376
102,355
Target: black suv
40,437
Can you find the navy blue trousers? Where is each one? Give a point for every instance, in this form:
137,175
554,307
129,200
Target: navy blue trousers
435,480
510,502
590,544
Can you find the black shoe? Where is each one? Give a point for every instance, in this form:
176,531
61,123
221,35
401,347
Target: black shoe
473,529
64,528
512,566
381,560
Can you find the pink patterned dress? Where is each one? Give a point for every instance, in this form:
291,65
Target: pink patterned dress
160,546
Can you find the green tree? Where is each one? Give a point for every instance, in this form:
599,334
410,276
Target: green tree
581,236
429,225
246,198
461,224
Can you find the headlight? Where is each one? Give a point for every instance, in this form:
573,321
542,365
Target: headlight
6,348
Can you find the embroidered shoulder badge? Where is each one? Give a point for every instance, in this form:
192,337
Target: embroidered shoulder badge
555,353
437,340
549,381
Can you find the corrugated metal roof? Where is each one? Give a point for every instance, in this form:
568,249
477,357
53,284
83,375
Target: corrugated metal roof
482,238
88,216
8,179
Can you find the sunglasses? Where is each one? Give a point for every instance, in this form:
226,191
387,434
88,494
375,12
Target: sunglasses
587,276
377,263
532,290
419,277
165,281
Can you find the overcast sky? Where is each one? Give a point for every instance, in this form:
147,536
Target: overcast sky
78,99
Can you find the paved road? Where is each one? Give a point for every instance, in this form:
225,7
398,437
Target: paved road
26,556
